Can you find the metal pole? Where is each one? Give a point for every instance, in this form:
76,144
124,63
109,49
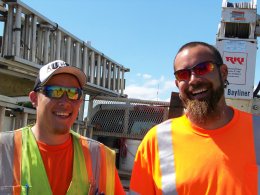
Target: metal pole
24,117
33,41
123,81
26,40
77,56
85,61
9,34
17,30
58,45
68,48
109,75
118,78
2,115
98,70
46,46
104,72
92,70
114,77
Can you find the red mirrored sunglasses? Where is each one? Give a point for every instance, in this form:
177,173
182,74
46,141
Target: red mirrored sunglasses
199,69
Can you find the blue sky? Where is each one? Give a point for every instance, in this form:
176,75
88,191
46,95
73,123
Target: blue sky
143,35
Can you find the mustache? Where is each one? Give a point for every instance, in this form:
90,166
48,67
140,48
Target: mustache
199,85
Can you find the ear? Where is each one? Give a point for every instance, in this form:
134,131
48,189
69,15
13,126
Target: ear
33,98
224,71
177,83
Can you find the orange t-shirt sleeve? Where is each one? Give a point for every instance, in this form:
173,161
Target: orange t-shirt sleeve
119,190
143,176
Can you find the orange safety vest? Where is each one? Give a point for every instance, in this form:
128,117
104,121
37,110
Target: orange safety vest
176,157
22,170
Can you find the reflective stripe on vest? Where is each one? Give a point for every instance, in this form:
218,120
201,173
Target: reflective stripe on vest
80,182
95,159
10,155
256,126
6,156
103,166
110,170
10,160
166,156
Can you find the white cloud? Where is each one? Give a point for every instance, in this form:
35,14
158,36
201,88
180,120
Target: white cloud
152,83
170,85
140,92
147,76
151,88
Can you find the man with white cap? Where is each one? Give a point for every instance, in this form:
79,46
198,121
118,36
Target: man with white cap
48,157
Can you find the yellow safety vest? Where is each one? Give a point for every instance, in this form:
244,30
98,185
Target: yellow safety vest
22,169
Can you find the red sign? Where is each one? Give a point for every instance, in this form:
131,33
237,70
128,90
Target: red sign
235,60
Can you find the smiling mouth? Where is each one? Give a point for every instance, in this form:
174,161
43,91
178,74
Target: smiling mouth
62,114
199,94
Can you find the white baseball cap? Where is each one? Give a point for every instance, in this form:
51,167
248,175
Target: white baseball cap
58,67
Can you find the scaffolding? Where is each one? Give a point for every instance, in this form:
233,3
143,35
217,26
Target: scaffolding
30,40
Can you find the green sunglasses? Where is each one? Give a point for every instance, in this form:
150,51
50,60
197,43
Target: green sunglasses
56,92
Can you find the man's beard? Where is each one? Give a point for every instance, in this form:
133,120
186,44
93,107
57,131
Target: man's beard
199,110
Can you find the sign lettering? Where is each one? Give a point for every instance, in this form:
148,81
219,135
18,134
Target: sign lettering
233,60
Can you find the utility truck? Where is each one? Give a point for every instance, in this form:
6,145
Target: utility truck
237,42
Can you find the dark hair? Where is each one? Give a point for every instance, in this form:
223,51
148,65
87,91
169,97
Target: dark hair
215,53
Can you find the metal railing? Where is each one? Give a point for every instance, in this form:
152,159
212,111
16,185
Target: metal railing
124,117
31,39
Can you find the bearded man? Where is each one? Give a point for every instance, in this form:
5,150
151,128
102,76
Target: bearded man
212,149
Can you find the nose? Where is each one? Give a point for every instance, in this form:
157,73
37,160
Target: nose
193,78
64,98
